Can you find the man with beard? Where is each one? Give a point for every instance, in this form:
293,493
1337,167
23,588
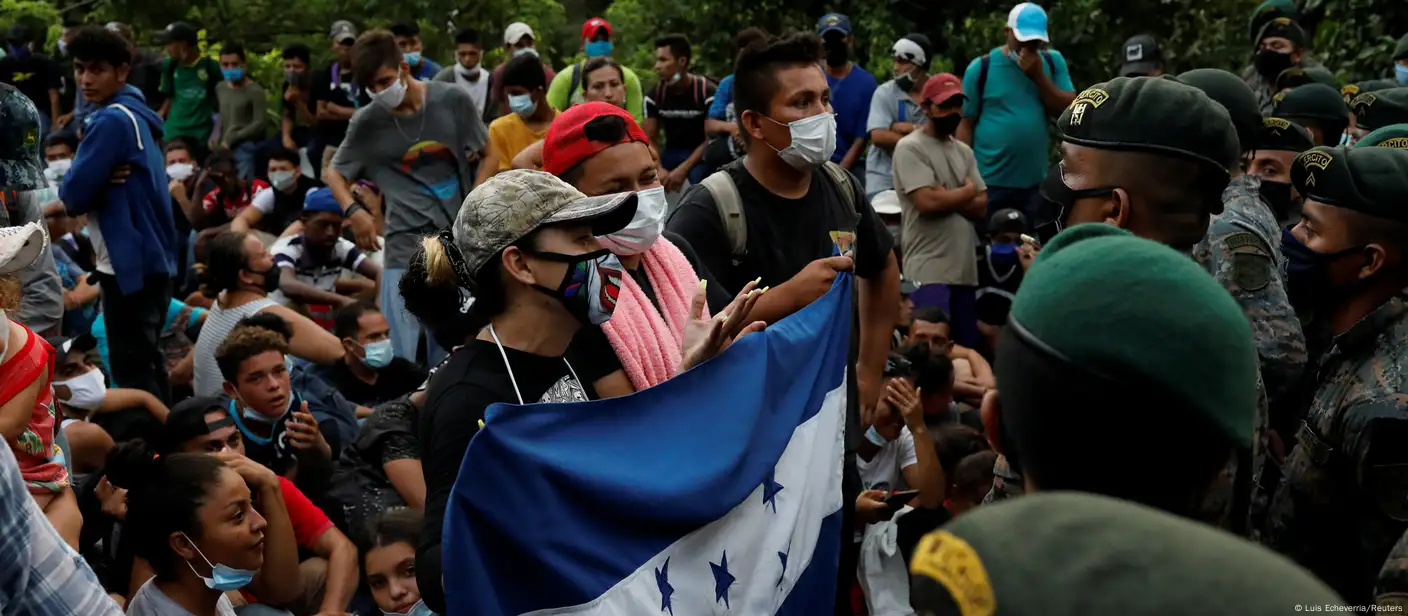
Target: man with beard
1280,44
851,88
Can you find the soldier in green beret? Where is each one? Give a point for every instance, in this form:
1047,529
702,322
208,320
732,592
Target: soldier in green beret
1343,498
1278,144
1279,44
1393,136
1317,107
1299,76
1351,90
1375,110
1070,554
1152,355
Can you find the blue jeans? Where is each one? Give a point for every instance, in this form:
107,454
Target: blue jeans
670,159
405,328
1024,200
245,155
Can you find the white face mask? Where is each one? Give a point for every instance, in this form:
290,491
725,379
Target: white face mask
59,168
86,391
391,97
645,227
282,180
180,171
813,141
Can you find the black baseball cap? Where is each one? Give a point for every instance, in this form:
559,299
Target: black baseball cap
187,421
1142,55
178,31
64,345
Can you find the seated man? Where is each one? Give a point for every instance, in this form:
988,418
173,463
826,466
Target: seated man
272,211
275,421
230,195
94,416
369,373
972,373
312,261
329,575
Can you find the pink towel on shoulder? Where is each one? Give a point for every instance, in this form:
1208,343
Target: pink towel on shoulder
649,343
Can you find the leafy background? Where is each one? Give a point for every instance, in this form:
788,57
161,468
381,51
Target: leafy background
1351,37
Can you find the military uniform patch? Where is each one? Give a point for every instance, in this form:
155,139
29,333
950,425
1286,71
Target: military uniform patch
1315,158
955,565
1094,96
1276,100
1278,123
1251,261
1349,92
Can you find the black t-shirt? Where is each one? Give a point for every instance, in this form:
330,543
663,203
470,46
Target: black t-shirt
474,378
999,277
397,379
287,206
34,75
290,111
682,112
335,87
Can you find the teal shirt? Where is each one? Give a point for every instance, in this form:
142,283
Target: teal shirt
1010,138
100,329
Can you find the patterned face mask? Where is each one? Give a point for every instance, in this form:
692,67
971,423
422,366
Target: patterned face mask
591,286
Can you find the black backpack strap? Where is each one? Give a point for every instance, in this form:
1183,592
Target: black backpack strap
1050,64
983,66
576,81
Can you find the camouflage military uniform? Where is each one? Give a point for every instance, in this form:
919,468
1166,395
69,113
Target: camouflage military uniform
1343,500
21,157
1392,587
23,194
1265,89
1006,482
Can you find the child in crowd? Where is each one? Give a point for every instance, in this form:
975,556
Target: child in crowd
999,271
311,263
389,560
27,413
231,194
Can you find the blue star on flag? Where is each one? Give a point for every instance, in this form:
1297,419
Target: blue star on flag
770,489
722,579
662,581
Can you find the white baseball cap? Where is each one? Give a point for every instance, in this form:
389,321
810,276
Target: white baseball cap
886,202
515,32
1028,22
20,247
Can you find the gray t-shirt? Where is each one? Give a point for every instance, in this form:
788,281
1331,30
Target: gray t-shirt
207,380
418,161
887,106
938,248
150,601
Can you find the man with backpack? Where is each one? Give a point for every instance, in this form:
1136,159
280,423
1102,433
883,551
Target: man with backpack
1015,90
188,79
678,105
565,89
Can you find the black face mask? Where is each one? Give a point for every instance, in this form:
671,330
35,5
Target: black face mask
836,53
1270,63
270,277
1062,197
904,82
945,126
1278,196
1308,282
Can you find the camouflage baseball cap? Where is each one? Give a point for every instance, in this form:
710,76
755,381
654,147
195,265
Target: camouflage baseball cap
21,163
513,204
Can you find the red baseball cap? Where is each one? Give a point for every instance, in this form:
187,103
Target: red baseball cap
590,28
942,87
567,144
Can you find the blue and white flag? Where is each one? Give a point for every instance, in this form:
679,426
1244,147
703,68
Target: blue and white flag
716,492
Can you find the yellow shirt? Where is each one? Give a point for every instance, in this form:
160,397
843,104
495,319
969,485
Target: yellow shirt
509,135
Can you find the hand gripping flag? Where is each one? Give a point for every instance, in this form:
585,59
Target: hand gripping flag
716,492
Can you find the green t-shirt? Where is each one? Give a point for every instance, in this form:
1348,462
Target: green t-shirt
193,102
561,96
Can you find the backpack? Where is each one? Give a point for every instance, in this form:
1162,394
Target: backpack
730,205
699,89
986,62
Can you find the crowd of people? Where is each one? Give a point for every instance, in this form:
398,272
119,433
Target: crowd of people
262,352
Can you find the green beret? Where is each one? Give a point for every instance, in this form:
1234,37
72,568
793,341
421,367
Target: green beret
1395,136
1314,101
1400,51
1151,114
1078,554
1368,180
1283,27
1373,85
1267,11
1378,109
1234,95
1297,76
1135,309
1282,135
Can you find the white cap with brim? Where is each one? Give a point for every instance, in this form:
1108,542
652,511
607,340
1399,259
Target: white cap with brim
21,247
515,32
1028,22
886,203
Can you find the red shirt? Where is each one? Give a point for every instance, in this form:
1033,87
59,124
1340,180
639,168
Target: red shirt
233,204
309,522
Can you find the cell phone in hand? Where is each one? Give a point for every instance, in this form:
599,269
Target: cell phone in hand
898,499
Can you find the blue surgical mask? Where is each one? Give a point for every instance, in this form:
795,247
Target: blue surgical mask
419,609
1400,73
412,58
596,49
222,578
378,354
232,74
522,104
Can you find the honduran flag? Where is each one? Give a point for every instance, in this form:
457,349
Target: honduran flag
716,492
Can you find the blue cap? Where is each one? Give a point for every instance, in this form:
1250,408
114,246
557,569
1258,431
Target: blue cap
321,200
834,22
1028,22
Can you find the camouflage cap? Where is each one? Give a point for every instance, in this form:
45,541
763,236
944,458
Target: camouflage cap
1282,135
1379,109
1315,101
513,204
21,159
1234,95
1155,115
1184,332
1076,554
1395,136
1267,11
1297,76
1351,90
1367,180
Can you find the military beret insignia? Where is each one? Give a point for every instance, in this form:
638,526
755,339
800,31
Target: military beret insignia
1397,142
955,565
1366,99
1315,158
1349,91
1275,123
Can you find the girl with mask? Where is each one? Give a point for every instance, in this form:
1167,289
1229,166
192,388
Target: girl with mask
192,518
524,262
389,562
239,274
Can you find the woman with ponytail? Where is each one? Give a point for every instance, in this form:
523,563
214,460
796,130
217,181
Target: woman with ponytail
239,272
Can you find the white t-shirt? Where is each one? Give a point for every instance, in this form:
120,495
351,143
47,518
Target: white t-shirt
150,601
883,472
290,252
478,90
264,200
